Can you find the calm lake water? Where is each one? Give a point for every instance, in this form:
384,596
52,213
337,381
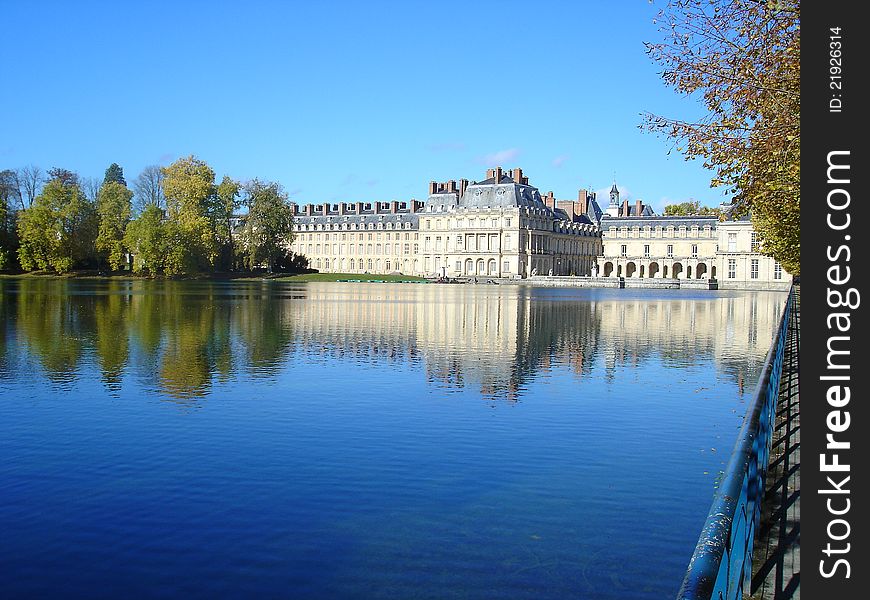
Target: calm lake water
269,440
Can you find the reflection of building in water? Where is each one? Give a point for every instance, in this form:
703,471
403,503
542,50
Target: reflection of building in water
497,339
182,337
463,335
736,330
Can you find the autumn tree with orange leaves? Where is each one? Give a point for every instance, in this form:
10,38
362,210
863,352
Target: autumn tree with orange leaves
742,60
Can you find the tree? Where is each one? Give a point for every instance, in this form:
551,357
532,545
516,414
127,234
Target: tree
146,240
690,208
58,231
148,188
189,188
743,58
30,179
225,206
64,176
114,209
10,198
115,174
267,234
91,187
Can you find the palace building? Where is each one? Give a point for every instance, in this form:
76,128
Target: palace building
498,227
502,227
640,244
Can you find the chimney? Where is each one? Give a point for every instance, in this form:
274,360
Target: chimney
490,173
451,186
359,208
417,205
463,185
568,207
341,207
550,201
583,202
326,209
309,209
498,174
638,208
394,206
517,175
625,208
433,187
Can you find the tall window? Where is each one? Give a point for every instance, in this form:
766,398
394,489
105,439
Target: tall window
754,243
732,242
777,271
694,250
624,250
732,268
753,269
646,250
670,250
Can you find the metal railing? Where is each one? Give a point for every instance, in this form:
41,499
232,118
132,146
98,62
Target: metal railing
721,566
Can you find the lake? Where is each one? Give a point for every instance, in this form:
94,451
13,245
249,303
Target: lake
364,440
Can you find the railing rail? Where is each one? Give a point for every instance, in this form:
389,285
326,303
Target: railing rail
721,566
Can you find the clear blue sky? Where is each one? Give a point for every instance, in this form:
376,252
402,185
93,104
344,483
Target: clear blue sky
354,101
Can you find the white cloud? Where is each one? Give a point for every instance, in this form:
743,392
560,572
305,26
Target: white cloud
500,158
560,160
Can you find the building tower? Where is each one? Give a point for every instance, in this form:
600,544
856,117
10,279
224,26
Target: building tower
613,207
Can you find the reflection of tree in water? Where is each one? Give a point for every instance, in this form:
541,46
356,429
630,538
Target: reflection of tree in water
49,325
177,335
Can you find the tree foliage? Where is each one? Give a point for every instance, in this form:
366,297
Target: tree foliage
10,198
267,233
59,230
690,208
225,206
743,58
114,209
145,238
115,174
188,185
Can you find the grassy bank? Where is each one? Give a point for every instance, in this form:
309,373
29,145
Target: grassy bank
301,277
349,277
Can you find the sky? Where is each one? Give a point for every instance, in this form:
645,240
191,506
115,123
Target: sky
348,101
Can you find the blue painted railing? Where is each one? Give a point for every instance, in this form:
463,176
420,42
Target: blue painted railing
721,566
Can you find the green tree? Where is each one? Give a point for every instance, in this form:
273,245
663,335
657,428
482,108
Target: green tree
59,230
10,199
115,174
742,58
188,184
690,208
114,208
145,237
268,230
224,207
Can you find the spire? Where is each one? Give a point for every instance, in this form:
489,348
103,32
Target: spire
614,195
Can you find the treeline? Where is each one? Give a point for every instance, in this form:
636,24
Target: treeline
691,208
176,220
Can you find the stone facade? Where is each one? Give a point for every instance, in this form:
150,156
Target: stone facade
498,227
502,227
